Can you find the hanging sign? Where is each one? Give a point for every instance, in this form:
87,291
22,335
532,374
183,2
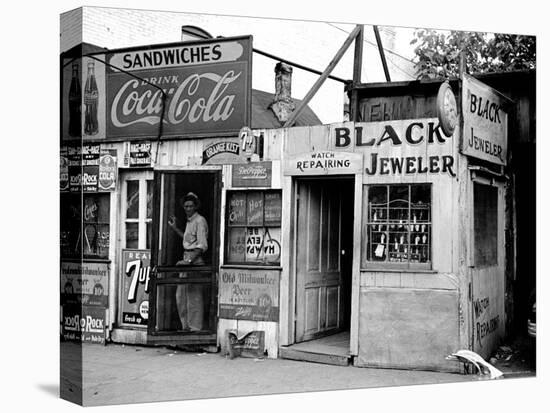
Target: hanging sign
249,294
485,133
218,151
140,154
324,163
254,174
134,303
207,86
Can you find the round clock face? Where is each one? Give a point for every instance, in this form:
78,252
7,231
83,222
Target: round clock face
446,109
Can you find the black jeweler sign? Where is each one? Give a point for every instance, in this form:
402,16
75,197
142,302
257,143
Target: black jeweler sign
485,114
207,84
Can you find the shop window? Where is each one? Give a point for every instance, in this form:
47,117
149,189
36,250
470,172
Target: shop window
485,225
398,227
253,235
137,210
85,228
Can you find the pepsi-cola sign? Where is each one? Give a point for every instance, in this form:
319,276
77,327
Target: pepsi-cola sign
207,85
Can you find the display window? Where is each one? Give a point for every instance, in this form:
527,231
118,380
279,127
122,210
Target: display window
485,225
253,235
85,230
398,226
137,210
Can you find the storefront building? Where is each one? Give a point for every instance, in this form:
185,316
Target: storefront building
388,235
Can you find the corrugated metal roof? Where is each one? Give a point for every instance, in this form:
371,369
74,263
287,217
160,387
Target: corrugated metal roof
264,118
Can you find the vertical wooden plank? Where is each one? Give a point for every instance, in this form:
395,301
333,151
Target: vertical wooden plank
356,265
286,293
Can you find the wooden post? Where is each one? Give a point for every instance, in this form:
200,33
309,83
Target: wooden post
323,77
382,54
357,69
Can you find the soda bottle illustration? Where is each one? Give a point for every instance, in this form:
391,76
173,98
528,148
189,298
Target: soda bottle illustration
75,104
90,102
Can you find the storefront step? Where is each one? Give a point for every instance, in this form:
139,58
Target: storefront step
302,355
333,349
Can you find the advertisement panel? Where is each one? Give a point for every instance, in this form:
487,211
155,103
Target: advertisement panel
249,294
90,167
135,278
207,86
485,121
83,98
256,174
84,323
85,283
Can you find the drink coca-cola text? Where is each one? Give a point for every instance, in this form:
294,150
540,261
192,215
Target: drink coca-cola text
133,104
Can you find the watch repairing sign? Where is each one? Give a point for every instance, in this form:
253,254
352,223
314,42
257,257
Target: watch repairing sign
134,302
249,294
207,87
485,121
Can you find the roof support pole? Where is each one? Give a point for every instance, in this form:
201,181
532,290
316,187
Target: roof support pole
316,86
382,54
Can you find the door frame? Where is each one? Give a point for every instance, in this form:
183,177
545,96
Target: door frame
200,338
498,182
288,318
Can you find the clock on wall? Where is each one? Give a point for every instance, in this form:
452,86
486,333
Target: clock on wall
447,112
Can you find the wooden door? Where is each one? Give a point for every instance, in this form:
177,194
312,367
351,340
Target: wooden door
183,298
319,292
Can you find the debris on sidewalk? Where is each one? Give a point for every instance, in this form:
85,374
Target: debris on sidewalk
470,357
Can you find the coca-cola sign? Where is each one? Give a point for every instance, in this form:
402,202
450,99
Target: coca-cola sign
207,86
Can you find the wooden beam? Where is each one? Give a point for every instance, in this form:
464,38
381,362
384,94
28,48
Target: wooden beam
382,54
323,77
357,69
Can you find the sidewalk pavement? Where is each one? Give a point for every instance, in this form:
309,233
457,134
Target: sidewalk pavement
118,374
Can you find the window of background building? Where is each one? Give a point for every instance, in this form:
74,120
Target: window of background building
398,230
137,209
253,234
85,230
485,225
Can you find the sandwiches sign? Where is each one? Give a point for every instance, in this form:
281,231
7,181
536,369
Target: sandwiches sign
204,88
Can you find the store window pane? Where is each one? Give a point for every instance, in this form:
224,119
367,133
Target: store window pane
398,226
149,230
485,225
132,199
95,226
132,235
149,199
254,227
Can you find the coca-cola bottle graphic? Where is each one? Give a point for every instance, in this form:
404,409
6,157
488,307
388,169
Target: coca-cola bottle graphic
90,102
75,104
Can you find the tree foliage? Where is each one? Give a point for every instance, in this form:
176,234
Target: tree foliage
438,53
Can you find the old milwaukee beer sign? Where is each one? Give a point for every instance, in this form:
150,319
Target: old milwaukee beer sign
207,86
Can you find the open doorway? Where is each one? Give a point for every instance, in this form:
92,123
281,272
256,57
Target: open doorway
323,263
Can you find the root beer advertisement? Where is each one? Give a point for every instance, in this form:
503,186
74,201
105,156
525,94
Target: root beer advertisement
204,87
134,302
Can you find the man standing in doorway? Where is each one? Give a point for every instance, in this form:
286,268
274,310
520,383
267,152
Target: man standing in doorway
190,297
